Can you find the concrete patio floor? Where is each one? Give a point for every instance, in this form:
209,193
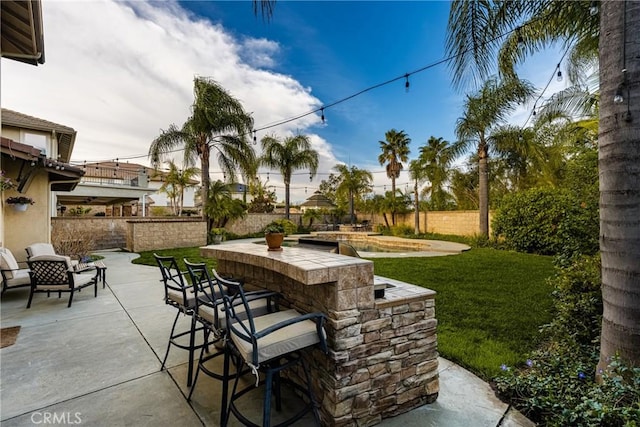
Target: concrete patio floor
98,363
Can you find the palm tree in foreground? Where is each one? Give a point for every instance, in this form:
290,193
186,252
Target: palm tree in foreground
614,29
294,152
395,150
218,122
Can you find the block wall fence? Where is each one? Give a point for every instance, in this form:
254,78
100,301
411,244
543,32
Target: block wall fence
141,234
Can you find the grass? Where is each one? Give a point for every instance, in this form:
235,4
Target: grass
191,254
490,303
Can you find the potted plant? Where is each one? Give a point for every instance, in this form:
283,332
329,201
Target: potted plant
274,235
20,203
217,234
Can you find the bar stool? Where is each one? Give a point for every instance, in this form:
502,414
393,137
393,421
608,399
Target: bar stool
269,344
210,313
178,294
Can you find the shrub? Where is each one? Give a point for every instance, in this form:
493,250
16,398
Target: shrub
288,226
547,221
557,387
402,230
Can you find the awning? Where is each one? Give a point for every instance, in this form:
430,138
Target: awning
21,32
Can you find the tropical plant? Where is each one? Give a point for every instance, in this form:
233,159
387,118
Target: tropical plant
354,183
218,121
175,181
262,198
612,28
294,152
436,157
395,150
483,112
221,207
418,173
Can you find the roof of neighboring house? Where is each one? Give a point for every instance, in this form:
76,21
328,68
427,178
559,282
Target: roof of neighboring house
65,135
22,38
58,171
317,200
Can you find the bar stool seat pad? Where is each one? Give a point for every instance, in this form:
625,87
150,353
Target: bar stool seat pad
277,343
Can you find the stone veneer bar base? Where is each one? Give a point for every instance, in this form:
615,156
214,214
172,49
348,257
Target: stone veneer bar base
382,357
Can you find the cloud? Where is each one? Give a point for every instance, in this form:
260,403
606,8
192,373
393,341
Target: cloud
120,72
259,53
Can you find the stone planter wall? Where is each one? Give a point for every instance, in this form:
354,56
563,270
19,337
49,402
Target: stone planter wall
151,234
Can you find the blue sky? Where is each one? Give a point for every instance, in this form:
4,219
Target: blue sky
119,72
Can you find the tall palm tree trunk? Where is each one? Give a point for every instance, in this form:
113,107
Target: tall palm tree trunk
619,166
351,207
206,183
417,208
483,187
393,200
287,185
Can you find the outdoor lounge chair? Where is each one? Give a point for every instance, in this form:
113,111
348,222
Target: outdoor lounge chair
53,273
12,275
270,344
210,312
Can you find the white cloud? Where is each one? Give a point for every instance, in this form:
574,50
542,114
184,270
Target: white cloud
119,72
260,52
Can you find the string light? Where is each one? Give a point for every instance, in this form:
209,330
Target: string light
406,83
255,138
559,75
593,9
519,36
117,164
618,98
322,117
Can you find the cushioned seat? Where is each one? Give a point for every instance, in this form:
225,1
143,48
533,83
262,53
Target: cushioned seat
12,275
270,344
53,273
41,249
211,313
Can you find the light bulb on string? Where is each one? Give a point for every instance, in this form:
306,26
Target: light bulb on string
255,138
322,114
310,177
117,164
519,36
618,98
593,9
406,83
267,177
559,76
84,166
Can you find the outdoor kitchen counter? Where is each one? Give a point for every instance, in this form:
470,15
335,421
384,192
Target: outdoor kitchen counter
382,352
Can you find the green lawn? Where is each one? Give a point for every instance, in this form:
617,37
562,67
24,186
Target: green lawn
490,303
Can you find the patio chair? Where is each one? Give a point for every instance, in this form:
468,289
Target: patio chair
180,295
12,275
210,312
53,273
270,344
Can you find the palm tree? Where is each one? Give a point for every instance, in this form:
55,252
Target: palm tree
614,29
218,122
175,182
294,152
395,150
483,112
354,183
418,173
437,157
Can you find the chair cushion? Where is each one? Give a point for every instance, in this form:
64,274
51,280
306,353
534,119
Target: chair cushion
259,307
285,340
178,297
38,249
8,262
19,278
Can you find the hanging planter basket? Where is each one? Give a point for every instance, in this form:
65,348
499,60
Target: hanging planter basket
21,207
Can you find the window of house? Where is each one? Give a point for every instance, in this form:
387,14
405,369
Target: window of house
38,141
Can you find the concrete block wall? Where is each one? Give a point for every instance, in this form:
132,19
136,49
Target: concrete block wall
151,234
104,232
459,223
